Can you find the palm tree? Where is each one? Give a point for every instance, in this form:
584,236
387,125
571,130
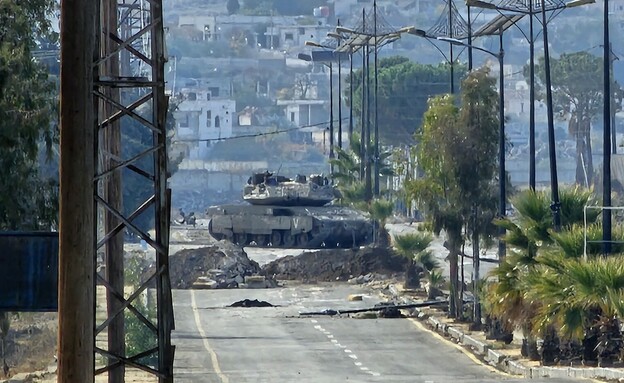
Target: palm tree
413,246
435,280
380,210
347,163
527,233
581,300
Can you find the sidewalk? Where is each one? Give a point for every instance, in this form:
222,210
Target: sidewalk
506,358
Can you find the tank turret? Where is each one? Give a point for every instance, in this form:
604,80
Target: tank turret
268,189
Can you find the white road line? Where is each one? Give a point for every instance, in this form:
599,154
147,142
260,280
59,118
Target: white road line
202,333
346,350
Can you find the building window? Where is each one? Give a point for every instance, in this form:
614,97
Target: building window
183,120
292,116
289,36
208,119
217,122
192,96
301,31
207,34
214,91
208,95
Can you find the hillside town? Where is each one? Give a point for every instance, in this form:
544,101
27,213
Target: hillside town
236,81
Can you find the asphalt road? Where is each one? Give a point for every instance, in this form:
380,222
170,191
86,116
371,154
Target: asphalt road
220,344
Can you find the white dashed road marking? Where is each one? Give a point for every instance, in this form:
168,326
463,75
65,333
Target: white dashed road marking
347,351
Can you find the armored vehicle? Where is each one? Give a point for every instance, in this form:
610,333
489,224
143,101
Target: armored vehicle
290,213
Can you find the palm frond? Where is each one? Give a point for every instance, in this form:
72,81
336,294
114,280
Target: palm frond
381,209
427,259
408,245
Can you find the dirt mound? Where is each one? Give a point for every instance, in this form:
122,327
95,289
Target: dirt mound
186,266
336,264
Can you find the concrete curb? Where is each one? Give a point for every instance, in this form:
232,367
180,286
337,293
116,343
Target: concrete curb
509,365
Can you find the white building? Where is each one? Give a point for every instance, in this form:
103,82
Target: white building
279,32
202,119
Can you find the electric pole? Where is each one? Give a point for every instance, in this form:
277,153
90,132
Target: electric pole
76,284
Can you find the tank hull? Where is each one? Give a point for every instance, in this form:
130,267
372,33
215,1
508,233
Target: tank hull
309,227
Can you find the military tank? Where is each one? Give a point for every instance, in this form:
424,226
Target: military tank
290,213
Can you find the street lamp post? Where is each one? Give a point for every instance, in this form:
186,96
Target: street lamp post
452,26
555,205
365,39
424,34
339,38
329,65
530,8
606,160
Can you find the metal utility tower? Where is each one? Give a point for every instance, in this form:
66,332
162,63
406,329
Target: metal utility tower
129,90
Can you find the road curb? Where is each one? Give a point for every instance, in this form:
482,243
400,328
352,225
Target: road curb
508,364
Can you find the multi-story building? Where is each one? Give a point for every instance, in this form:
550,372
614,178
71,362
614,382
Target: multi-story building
270,32
203,116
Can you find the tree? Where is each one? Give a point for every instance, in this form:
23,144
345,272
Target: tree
380,210
539,285
232,6
578,93
413,246
457,153
581,300
27,119
347,163
403,90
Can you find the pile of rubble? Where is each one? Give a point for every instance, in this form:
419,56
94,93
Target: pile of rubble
219,266
336,264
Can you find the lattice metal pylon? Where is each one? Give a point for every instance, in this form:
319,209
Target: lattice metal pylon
130,101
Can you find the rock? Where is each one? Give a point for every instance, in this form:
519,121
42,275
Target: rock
365,315
204,283
354,297
433,292
255,282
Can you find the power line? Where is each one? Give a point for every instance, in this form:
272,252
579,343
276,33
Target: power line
256,134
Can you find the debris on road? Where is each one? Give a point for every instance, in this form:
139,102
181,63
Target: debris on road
218,266
251,303
387,307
